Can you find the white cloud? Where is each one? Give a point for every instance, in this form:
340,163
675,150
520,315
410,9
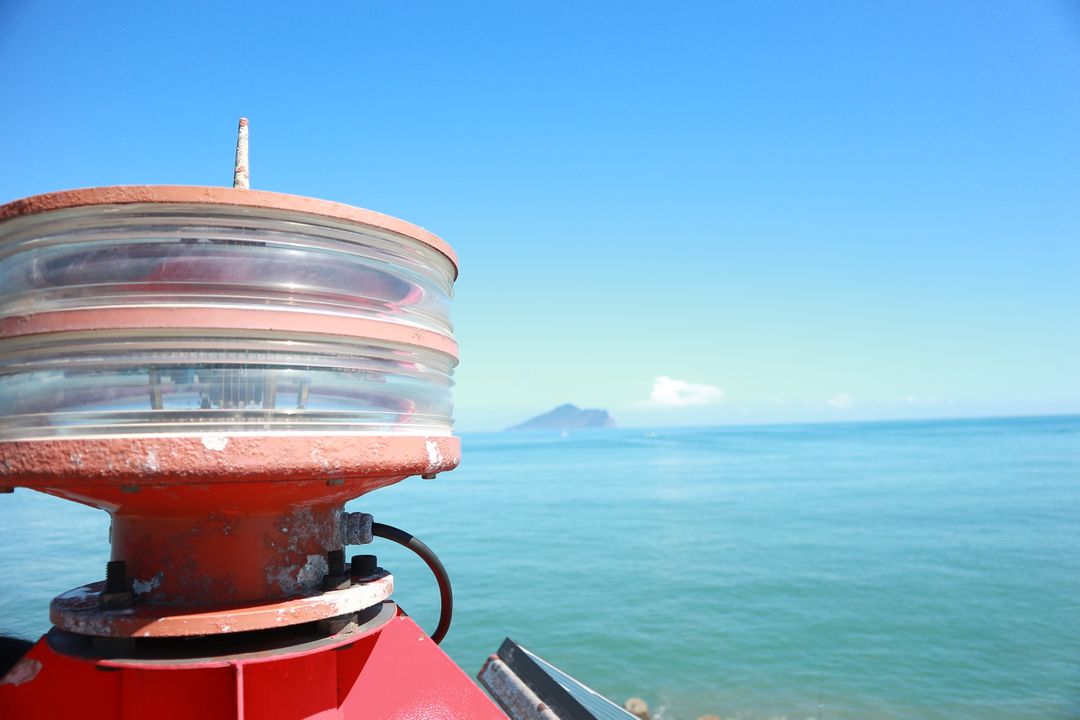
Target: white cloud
669,392
841,401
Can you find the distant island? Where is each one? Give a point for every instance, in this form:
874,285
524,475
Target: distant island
567,417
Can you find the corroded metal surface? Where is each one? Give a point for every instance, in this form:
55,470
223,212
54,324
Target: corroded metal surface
80,468
78,611
222,519
513,695
356,528
258,199
241,171
193,557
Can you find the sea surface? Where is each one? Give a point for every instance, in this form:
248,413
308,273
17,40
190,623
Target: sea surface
870,571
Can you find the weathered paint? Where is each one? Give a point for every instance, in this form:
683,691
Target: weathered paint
216,443
202,526
515,697
198,195
81,464
241,172
78,611
144,587
392,671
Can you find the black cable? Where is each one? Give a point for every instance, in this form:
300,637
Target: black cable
446,593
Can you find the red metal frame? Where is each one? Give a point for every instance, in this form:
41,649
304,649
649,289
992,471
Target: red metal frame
392,671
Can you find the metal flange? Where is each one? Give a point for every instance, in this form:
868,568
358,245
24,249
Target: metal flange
79,611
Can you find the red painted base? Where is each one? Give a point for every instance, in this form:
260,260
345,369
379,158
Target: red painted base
391,671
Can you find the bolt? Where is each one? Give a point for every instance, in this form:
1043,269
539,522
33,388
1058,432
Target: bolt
364,565
335,562
117,594
336,577
116,576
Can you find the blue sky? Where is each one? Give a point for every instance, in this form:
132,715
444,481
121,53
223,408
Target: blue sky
682,212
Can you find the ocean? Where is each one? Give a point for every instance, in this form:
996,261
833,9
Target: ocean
863,571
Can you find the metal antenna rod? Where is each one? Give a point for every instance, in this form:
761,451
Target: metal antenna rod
241,175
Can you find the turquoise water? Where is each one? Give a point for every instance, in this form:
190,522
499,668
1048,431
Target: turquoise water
885,570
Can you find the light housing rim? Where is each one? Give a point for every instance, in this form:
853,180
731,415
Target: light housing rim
211,195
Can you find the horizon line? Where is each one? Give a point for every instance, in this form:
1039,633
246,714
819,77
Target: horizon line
766,424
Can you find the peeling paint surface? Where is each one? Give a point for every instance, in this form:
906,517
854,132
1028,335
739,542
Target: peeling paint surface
141,587
78,611
215,442
369,461
208,520
22,672
312,573
79,594
434,455
151,462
